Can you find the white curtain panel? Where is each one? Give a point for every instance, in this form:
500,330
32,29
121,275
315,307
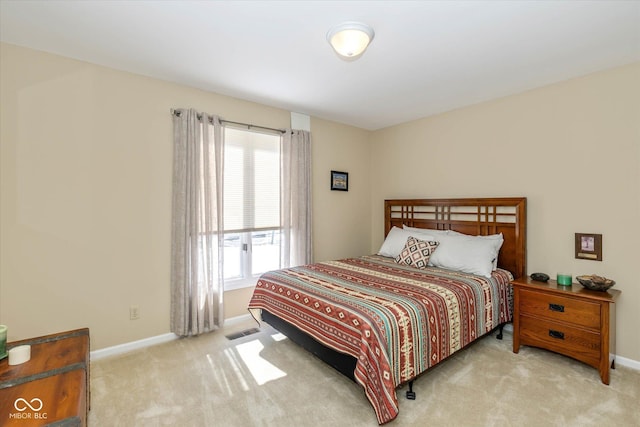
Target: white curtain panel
197,278
295,196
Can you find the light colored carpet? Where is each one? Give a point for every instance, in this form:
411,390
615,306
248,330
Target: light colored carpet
265,380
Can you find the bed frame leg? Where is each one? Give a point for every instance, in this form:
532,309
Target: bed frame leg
411,395
499,336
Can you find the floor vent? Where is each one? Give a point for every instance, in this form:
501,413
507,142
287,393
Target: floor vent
242,333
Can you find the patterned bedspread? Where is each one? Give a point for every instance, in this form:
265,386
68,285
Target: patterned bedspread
397,321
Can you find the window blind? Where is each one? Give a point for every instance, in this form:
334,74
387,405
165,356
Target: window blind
251,181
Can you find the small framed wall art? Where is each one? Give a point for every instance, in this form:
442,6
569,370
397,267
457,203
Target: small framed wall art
589,246
339,181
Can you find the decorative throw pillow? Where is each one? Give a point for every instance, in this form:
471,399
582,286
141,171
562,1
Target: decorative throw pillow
416,252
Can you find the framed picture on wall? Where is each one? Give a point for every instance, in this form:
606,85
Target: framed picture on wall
589,246
339,181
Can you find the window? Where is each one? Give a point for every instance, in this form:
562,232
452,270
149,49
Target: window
251,205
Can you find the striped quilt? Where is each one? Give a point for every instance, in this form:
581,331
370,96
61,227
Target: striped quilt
396,320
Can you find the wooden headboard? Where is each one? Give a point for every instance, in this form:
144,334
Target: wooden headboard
469,216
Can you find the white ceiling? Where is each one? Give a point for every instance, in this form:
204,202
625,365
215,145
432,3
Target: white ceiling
427,56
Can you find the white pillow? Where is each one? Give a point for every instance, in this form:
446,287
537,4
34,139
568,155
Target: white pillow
468,254
498,239
428,231
395,241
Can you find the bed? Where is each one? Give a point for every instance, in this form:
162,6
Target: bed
384,319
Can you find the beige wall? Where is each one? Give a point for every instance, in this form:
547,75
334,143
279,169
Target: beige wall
338,213
573,149
86,194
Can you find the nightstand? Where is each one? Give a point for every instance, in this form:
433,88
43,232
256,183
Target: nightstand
569,320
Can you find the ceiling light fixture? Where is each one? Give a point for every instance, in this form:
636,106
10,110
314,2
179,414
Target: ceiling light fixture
350,39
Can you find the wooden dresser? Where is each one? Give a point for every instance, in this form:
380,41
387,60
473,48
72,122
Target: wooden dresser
569,320
52,388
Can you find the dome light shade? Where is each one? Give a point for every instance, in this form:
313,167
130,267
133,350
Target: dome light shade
350,39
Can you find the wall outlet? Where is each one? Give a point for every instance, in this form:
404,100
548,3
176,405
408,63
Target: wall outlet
134,312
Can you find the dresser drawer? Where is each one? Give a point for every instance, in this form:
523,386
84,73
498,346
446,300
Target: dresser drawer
556,307
575,342
61,401
57,375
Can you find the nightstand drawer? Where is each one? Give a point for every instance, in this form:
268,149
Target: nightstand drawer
555,307
575,342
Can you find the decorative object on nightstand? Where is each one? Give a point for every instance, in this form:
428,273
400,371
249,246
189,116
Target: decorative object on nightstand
19,354
596,283
570,320
3,342
564,279
539,277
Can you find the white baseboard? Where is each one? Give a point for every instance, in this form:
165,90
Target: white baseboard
133,345
628,363
158,339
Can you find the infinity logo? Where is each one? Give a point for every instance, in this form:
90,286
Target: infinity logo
28,404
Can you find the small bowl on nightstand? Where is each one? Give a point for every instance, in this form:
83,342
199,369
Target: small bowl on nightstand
595,283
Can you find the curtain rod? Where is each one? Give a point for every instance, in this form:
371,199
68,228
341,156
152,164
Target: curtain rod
248,125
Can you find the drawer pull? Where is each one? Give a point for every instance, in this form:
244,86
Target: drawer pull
556,307
556,334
